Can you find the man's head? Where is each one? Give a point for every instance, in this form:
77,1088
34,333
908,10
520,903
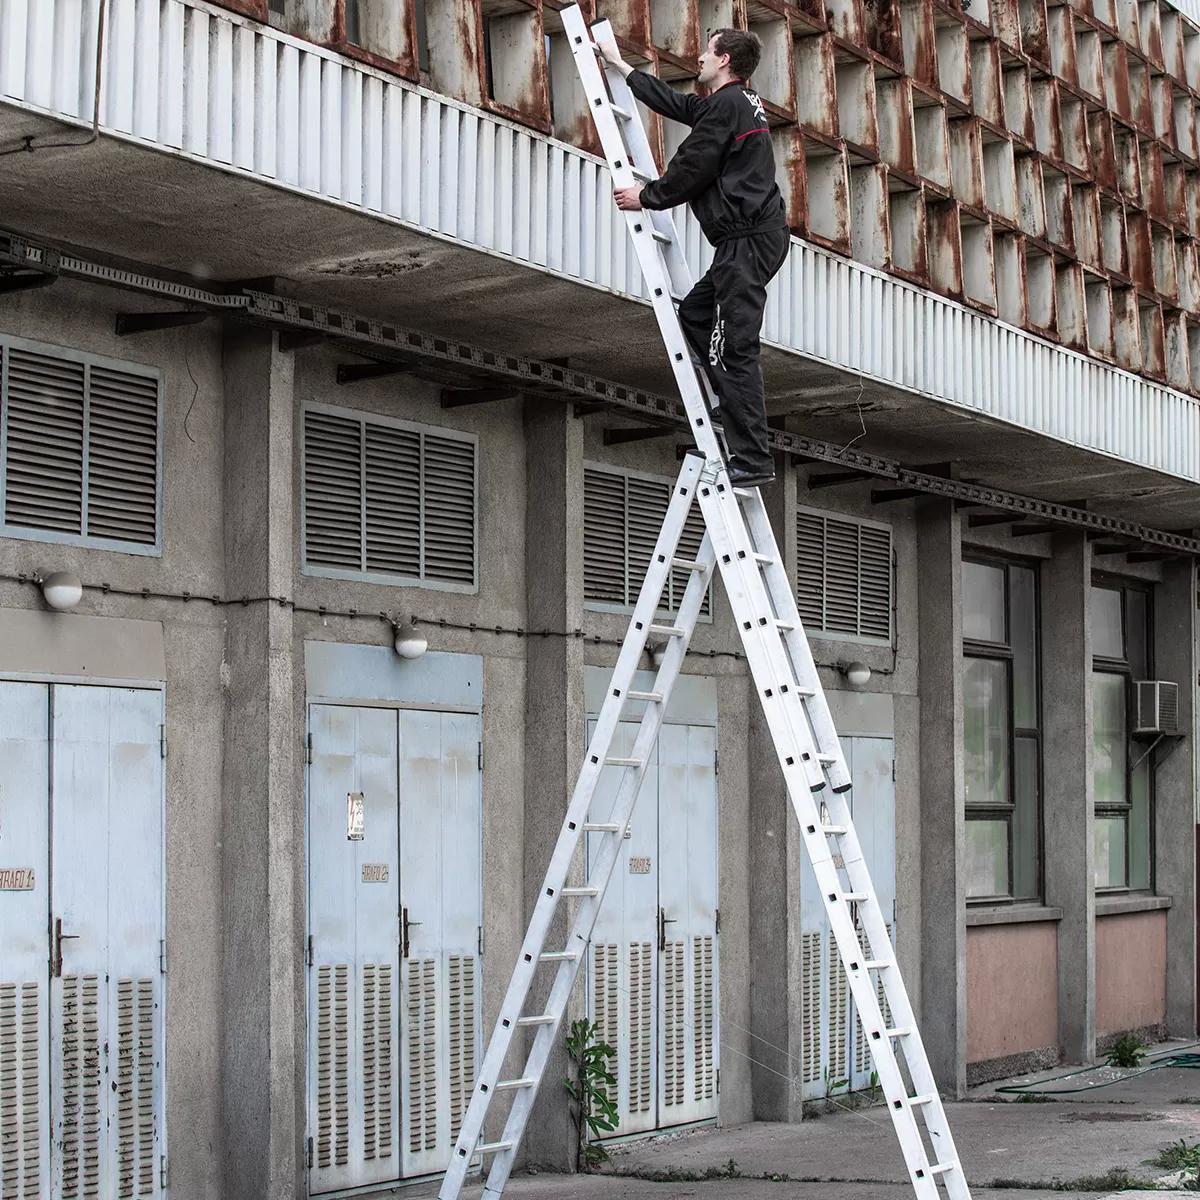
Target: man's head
730,54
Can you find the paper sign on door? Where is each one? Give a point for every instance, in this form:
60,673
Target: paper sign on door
356,816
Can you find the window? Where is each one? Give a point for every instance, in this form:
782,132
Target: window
1122,779
1001,731
80,448
388,501
844,576
622,514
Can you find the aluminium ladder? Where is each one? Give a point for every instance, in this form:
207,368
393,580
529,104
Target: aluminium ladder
739,541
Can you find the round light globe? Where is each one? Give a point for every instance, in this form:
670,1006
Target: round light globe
409,643
62,590
858,674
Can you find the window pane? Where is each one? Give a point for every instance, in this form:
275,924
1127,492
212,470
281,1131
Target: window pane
1107,641
987,859
1108,699
985,731
1110,852
983,602
1023,635
1025,820
1136,634
1139,825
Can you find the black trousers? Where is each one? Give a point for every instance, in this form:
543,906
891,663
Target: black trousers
722,319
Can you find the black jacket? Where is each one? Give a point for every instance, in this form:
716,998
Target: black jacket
725,168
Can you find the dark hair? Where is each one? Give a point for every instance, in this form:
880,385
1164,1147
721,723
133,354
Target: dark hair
744,49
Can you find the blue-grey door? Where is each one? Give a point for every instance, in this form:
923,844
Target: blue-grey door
81,950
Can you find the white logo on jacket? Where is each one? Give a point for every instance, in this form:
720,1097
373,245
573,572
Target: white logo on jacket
756,104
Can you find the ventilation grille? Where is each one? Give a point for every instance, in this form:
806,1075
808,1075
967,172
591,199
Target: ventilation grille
385,500
674,1024
462,1038
703,1015
79,1088
839,1016
844,576
333,1066
81,448
135,1087
422,1098
810,1005
641,1026
20,1111
622,516
377,1050
606,1002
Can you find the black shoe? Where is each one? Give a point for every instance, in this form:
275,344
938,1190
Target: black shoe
740,477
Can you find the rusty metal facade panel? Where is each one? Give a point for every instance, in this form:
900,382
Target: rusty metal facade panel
935,198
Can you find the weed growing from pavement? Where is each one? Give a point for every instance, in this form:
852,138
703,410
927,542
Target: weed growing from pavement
1034,1098
1127,1051
1116,1180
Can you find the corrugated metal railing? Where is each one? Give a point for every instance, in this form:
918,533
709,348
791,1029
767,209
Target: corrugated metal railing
184,76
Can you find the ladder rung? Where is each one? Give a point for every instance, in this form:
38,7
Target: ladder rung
905,1031
601,827
492,1147
877,964
834,830
622,762
943,1168
764,560
688,564
785,625
918,1101
640,174
855,897
559,956
664,238
621,113
652,697
667,630
827,760
540,1019
513,1085
580,891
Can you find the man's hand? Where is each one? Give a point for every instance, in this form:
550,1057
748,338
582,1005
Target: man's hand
611,54
629,199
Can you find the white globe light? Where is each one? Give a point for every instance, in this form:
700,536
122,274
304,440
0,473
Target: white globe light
409,643
858,674
62,590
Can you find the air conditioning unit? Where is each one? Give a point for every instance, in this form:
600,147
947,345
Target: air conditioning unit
1157,707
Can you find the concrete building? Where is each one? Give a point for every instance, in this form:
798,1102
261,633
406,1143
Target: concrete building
316,323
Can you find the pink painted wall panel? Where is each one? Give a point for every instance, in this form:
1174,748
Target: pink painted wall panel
1131,971
1012,989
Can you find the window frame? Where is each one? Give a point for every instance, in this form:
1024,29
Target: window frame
87,360
363,417
1122,667
1003,652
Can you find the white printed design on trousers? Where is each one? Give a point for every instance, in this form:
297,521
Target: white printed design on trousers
716,346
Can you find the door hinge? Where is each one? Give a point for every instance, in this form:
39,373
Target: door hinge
893,770
718,1081
481,756
308,749
309,950
162,740
162,956
164,1176
716,762
480,941
718,922
308,1153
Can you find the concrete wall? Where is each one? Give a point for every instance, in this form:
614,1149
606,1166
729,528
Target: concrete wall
1131,972
1012,991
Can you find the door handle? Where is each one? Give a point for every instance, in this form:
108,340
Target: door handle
59,938
663,922
406,925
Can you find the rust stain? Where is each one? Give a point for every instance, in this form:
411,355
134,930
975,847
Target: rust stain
1141,255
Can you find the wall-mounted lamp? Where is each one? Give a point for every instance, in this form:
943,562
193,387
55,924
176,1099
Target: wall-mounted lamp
857,674
409,643
62,591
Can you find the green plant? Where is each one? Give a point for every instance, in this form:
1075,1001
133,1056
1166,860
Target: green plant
1127,1051
590,1088
1179,1155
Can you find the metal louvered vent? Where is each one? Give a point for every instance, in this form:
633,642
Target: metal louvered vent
844,576
810,1006
79,1087
703,1017
641,1026
81,447
422,1082
462,1038
674,1024
839,1017
606,998
333,1066
377,1098
388,501
622,516
134,1086
20,1076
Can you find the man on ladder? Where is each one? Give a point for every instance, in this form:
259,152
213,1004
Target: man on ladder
725,170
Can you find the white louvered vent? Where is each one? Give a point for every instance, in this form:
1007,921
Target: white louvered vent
839,1016
622,516
704,1017
422,1082
674,1024
810,1005
80,1089
81,447
333,1066
378,1100
844,576
462,1038
134,1087
387,500
20,1112
641,1026
606,1001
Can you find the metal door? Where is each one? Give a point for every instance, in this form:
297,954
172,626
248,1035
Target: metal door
653,968
394,915
835,1057
106,948
353,948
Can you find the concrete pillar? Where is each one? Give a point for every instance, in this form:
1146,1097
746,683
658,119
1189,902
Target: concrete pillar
776,853
1175,796
1067,785
262,819
555,710
943,983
